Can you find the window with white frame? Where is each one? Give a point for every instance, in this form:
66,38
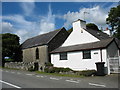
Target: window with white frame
63,56
87,54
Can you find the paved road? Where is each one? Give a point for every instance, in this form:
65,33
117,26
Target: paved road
24,79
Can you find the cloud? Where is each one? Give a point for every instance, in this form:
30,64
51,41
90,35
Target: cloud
20,26
95,15
28,7
18,19
23,34
47,23
25,28
20,22
7,27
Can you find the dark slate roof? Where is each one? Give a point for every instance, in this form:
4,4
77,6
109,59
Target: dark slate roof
98,34
42,39
87,46
118,42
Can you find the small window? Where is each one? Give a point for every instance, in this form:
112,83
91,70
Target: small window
63,56
37,53
87,54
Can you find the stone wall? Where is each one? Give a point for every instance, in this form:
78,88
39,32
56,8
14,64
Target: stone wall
19,65
29,55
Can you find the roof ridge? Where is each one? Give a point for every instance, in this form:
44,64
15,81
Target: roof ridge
104,43
56,33
42,34
91,42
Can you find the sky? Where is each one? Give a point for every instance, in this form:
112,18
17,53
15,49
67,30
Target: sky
29,19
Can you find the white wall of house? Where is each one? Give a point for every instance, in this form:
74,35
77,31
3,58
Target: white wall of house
75,60
79,35
107,32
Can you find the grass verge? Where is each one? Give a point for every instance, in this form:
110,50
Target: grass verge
9,68
58,74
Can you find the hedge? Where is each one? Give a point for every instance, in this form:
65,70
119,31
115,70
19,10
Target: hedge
56,70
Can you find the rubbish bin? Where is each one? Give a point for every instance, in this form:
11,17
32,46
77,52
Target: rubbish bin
100,68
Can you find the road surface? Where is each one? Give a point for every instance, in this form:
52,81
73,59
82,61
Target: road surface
25,79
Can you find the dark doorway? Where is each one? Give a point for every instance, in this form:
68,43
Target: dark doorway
36,66
37,53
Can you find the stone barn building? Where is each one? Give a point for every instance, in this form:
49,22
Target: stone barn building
37,49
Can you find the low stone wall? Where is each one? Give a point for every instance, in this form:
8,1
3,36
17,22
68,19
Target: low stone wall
19,65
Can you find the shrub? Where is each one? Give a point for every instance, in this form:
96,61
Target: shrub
52,69
48,64
86,72
31,68
56,70
48,70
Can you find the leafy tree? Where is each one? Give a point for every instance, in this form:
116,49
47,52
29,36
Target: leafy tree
117,34
92,26
113,20
10,47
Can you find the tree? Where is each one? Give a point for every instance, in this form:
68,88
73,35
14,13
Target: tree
113,20
10,47
92,26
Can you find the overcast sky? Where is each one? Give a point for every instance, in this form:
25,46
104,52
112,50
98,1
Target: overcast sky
28,19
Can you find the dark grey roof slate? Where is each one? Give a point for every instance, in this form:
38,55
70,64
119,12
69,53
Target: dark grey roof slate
42,39
118,42
87,46
98,34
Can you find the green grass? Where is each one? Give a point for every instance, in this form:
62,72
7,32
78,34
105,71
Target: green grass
58,74
9,68
55,74
9,59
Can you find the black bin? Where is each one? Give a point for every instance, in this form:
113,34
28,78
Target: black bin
100,68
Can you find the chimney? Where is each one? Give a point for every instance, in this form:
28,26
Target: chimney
79,25
107,31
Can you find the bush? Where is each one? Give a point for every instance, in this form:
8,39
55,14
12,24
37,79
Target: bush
56,70
49,69
52,69
86,72
9,60
48,64
31,68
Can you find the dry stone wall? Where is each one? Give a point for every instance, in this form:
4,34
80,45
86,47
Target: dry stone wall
19,65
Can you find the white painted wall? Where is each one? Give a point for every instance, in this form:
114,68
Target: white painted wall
79,35
76,62
107,32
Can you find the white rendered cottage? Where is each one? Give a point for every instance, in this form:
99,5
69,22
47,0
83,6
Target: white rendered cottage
84,47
